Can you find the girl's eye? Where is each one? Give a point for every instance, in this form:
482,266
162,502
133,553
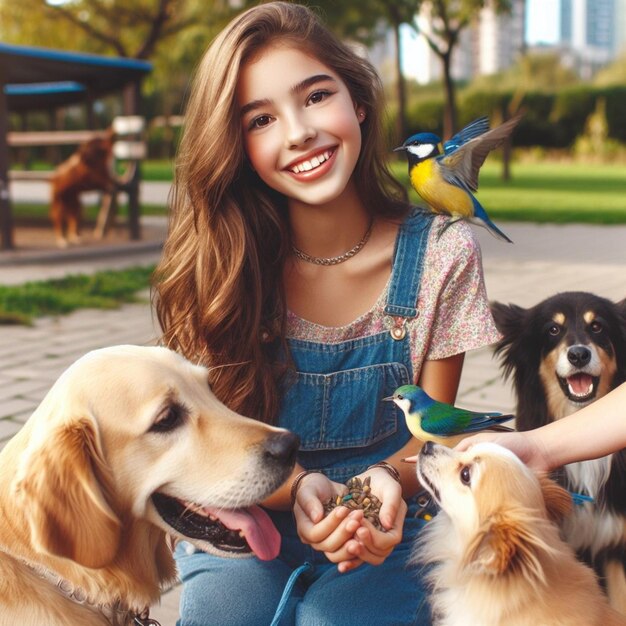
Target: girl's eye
259,122
318,96
465,475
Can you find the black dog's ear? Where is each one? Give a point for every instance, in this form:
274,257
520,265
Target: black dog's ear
508,318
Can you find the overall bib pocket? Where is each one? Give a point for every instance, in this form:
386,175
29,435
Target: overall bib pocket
335,410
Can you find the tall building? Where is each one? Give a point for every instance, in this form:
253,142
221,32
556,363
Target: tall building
592,33
488,45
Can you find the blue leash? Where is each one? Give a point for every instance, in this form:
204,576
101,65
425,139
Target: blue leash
287,591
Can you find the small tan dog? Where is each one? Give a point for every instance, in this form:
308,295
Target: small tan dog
129,446
88,169
496,555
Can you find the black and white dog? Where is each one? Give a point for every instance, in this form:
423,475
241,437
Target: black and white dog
563,354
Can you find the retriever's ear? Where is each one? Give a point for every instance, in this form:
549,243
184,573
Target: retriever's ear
61,490
558,500
505,543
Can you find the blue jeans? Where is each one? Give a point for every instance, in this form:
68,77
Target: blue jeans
246,592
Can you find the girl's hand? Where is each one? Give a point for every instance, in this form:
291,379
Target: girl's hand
369,544
326,534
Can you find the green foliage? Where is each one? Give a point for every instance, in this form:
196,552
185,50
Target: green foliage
426,115
551,119
613,74
102,290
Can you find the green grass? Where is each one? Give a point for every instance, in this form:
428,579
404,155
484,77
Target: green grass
103,290
550,192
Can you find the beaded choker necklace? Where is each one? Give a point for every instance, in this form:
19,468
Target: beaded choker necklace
335,260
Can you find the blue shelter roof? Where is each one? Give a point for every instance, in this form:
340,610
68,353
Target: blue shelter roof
42,78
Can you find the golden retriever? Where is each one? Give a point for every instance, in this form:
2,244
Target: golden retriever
494,549
88,169
129,446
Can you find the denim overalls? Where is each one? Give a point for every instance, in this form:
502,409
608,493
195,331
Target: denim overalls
335,405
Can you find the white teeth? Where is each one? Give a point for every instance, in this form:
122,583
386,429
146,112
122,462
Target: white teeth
241,534
307,166
582,394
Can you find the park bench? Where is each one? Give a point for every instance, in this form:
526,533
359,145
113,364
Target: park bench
129,148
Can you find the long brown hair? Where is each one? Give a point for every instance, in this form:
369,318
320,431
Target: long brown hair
218,288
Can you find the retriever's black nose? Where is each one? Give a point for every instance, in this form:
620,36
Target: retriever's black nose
579,355
282,447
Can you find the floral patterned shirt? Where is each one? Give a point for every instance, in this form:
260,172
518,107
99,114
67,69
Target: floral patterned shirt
454,314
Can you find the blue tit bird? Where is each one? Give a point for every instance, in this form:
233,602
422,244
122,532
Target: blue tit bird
428,419
445,175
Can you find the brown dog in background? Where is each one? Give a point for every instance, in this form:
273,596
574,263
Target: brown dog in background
88,169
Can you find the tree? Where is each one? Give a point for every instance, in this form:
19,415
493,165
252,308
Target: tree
447,19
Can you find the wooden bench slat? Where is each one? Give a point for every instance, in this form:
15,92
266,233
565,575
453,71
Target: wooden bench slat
53,138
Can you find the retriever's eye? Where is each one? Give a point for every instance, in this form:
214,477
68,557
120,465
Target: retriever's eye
554,330
170,418
465,475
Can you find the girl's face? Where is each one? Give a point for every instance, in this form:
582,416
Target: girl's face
300,126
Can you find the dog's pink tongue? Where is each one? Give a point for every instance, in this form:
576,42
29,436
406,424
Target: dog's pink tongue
258,529
580,384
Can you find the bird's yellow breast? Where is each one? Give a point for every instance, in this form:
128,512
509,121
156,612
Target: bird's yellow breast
439,194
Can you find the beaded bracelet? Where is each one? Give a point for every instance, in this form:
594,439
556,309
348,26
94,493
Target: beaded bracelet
393,472
296,483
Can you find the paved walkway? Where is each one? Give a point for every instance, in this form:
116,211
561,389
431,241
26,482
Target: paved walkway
544,260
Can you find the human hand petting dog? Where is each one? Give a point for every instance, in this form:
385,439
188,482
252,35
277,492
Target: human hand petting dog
345,536
525,445
576,437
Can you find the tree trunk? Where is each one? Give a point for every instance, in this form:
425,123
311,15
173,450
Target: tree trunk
400,90
449,118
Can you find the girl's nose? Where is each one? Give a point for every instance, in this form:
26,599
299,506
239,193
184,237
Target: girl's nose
298,132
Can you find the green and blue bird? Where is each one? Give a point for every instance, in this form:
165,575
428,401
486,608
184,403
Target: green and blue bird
428,419
445,175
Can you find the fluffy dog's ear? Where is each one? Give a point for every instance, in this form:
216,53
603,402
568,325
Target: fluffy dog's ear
505,543
61,490
558,500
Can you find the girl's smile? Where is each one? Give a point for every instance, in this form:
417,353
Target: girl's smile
300,125
309,168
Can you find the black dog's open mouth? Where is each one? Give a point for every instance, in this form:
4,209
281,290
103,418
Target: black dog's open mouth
235,531
580,387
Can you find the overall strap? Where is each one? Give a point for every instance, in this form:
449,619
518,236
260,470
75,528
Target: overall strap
408,264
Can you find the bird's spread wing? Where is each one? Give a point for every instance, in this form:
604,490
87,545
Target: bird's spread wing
461,166
474,129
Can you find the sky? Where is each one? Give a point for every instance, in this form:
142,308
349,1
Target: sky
542,21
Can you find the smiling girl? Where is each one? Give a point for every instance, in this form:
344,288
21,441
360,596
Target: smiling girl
294,258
